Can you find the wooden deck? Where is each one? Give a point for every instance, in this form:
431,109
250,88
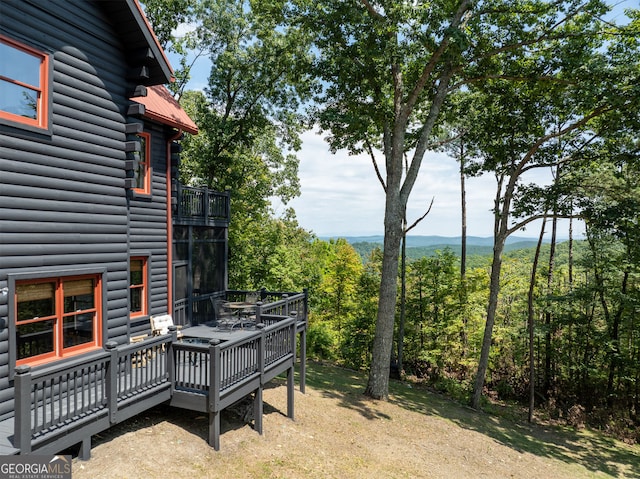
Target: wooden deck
207,371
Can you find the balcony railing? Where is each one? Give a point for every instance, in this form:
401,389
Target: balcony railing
201,206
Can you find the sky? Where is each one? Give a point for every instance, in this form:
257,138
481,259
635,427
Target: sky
341,195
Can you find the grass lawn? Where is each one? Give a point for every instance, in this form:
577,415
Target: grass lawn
339,433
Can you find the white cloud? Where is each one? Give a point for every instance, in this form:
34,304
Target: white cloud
341,195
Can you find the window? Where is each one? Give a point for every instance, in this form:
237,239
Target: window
142,174
24,84
57,317
138,286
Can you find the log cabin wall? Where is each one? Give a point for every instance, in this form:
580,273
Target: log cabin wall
64,207
148,228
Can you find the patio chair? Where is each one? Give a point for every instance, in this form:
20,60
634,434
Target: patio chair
252,297
224,315
160,325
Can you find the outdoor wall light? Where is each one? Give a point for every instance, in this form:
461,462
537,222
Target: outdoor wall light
4,291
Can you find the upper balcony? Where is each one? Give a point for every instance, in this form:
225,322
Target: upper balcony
200,206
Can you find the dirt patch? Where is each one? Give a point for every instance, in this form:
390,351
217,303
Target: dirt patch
337,433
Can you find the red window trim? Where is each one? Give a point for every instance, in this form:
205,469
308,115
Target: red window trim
144,286
42,107
146,164
60,352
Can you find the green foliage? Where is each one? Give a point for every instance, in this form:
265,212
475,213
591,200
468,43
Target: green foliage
321,340
436,329
359,333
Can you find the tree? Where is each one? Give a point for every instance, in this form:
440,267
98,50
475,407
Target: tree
531,323
387,68
526,118
608,180
249,118
360,331
339,287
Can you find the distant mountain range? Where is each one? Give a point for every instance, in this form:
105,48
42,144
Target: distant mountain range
421,241
420,246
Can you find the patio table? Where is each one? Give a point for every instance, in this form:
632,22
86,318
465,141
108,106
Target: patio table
241,307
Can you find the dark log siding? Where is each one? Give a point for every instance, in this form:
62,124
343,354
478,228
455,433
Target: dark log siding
63,205
148,228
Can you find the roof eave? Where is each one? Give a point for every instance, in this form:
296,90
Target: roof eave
152,40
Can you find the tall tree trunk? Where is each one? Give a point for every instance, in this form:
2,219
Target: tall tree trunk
463,254
570,341
548,369
614,355
378,384
403,299
463,206
531,325
500,234
494,291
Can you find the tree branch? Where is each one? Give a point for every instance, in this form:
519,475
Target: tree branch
375,164
415,223
421,147
372,11
530,219
429,68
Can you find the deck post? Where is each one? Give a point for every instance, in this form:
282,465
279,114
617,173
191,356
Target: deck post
303,352
171,358
22,419
258,312
286,304
214,430
258,405
303,343
303,360
291,370
214,393
112,381
84,454
290,392
257,410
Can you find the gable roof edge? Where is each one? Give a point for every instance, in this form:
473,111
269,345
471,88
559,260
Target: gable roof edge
152,40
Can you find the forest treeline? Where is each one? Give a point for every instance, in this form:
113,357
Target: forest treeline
364,249
586,330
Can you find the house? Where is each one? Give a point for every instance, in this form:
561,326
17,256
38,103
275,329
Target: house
96,233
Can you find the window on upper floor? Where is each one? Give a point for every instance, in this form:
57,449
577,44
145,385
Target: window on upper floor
24,84
138,290
57,317
142,174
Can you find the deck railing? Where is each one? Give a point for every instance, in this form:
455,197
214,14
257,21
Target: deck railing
202,206
237,360
269,303
57,407
53,397
275,303
65,404
212,376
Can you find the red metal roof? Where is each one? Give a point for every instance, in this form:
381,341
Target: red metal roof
160,106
